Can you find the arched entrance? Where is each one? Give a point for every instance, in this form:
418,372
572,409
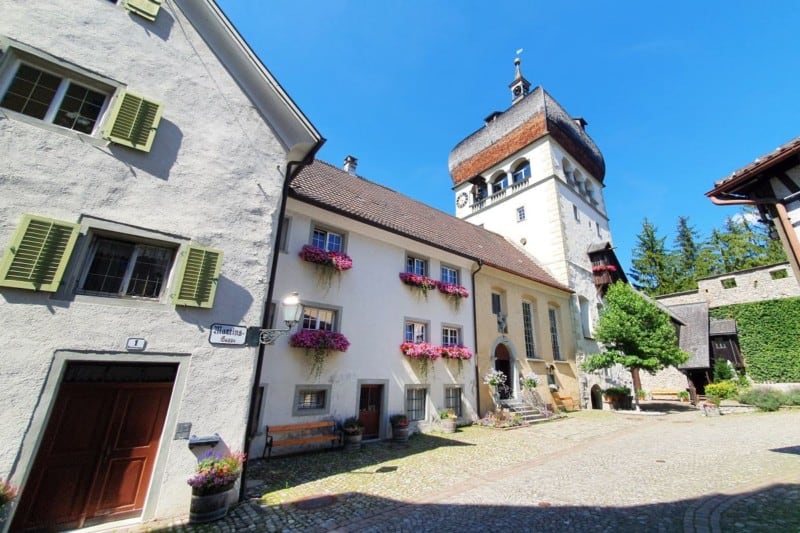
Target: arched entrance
597,397
502,362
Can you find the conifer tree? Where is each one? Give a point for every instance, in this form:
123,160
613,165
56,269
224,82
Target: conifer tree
651,265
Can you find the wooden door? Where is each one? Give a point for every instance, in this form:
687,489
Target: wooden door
369,410
96,457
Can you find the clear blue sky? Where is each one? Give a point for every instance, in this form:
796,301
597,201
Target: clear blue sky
677,94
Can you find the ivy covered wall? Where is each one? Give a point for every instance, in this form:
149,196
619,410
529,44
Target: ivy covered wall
769,336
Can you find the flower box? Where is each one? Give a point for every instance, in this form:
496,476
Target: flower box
335,260
318,343
423,283
451,289
455,352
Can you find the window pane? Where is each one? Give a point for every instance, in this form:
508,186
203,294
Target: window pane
108,266
415,332
450,336
452,399
334,242
311,399
322,319
495,303
527,324
554,333
416,266
149,271
449,275
318,239
79,109
415,404
31,92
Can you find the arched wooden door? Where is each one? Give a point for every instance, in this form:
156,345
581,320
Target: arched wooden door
502,362
96,457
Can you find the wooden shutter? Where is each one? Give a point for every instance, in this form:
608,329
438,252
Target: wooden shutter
198,276
144,8
38,254
133,121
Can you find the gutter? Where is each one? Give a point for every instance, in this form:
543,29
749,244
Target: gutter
783,217
475,338
292,169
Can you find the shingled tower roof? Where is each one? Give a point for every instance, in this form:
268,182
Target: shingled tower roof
530,118
330,188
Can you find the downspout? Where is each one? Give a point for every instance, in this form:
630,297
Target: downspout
783,218
292,168
475,338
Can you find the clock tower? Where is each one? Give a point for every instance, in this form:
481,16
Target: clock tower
533,174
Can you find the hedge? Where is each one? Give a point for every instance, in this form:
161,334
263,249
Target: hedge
768,337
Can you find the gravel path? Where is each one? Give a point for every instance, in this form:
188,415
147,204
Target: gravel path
594,471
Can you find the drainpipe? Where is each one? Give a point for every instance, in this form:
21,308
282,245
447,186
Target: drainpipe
292,168
783,217
475,337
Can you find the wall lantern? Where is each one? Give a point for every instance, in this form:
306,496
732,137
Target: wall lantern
292,313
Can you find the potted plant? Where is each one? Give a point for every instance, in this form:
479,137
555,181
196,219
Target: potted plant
352,430
641,394
449,420
399,424
212,482
7,495
496,379
683,395
618,397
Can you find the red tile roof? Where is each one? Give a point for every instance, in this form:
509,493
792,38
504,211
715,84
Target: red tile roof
330,188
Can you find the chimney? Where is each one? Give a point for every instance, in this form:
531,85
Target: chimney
581,123
350,164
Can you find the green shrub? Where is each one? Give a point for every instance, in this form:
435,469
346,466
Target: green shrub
617,391
722,371
793,397
763,399
723,390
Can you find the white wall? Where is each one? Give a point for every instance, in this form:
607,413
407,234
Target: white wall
374,305
210,178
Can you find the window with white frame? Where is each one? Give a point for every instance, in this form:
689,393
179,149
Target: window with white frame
415,403
311,400
499,182
528,329
449,275
319,318
552,314
522,172
452,399
416,331
36,85
416,265
327,240
521,213
451,336
40,94
117,267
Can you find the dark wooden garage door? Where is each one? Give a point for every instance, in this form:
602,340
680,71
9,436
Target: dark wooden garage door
96,458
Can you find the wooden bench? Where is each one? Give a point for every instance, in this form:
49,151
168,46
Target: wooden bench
664,394
564,401
298,434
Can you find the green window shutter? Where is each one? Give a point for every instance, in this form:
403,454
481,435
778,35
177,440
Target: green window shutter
133,121
38,254
144,8
198,276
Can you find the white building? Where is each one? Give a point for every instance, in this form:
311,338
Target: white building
386,234
533,174
145,149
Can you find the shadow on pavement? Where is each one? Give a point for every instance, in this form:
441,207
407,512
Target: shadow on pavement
773,508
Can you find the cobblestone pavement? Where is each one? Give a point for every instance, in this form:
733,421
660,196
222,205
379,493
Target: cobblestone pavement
593,471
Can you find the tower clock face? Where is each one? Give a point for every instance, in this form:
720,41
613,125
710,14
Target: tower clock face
461,201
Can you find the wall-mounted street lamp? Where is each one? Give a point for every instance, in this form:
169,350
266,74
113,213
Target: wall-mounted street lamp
292,313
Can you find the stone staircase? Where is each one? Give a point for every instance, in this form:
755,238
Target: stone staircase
528,412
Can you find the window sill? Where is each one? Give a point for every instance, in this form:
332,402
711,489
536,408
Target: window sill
84,138
113,301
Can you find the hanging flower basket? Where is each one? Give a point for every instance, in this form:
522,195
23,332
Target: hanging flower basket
424,352
423,283
318,343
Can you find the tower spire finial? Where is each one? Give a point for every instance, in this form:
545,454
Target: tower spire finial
520,86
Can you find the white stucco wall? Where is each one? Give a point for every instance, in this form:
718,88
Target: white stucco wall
373,305
210,179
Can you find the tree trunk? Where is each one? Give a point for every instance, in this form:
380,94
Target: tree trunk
637,386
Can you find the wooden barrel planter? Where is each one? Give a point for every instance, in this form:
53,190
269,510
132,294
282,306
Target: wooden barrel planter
209,507
400,433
